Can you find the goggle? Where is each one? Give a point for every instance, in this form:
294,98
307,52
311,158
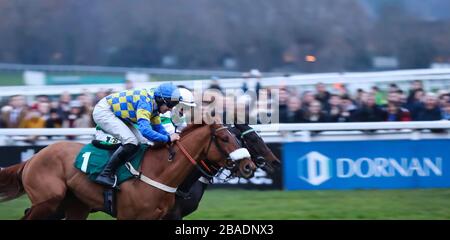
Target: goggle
170,103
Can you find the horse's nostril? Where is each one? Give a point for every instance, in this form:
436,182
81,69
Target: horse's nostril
249,167
247,171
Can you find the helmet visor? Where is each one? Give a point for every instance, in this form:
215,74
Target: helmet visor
170,103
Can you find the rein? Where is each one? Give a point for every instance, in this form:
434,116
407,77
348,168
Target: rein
164,187
191,159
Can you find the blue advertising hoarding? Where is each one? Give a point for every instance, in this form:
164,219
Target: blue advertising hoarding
366,164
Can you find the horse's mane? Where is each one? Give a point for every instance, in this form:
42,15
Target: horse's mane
190,128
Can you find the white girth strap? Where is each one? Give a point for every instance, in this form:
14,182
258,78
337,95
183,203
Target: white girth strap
149,181
239,154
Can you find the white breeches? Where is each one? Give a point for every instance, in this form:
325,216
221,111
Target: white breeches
105,118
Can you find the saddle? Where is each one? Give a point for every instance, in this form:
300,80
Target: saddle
93,157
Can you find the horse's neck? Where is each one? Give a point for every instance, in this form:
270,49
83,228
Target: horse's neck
157,166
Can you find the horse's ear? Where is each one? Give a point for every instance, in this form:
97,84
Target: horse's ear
242,127
235,131
212,120
190,127
218,121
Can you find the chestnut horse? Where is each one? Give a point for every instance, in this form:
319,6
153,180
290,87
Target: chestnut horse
54,184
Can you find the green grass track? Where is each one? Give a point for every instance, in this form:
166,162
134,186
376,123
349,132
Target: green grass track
303,205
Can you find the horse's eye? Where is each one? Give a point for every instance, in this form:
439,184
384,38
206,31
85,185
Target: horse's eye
225,139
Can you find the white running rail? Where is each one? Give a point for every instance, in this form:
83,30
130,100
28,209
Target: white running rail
288,132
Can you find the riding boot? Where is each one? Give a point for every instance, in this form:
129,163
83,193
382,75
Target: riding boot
108,175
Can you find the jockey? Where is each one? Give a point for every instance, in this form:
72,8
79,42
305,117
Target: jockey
117,113
175,121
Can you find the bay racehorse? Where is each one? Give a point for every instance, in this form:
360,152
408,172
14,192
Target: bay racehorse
192,189
53,184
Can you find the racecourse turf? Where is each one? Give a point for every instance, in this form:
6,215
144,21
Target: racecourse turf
356,204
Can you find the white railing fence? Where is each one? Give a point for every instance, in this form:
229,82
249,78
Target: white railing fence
278,132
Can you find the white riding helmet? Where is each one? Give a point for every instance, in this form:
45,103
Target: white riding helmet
187,98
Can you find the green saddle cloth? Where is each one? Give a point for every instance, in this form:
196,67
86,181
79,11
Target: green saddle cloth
91,160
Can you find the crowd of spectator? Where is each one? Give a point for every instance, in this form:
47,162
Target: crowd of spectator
334,103
66,111
63,111
374,105
319,106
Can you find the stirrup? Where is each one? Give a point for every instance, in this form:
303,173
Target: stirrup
108,184
115,186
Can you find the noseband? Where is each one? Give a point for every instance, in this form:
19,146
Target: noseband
259,160
231,158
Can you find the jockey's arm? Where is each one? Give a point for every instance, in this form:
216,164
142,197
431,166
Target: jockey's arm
147,131
157,126
147,125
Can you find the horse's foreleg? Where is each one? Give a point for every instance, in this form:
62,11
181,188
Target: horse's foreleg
175,212
76,209
43,210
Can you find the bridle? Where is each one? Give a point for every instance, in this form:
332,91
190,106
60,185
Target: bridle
230,163
230,159
259,160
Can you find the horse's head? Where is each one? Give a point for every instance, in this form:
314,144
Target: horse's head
225,150
260,153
